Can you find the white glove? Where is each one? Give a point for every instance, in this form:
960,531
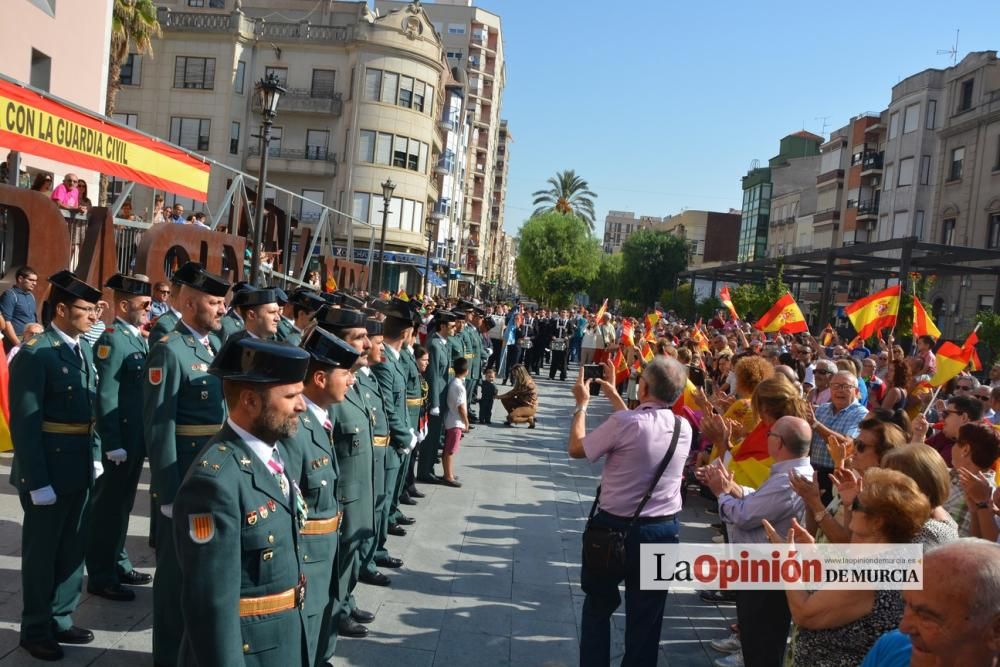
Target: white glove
117,456
43,496
435,412
167,510
413,441
423,433
98,469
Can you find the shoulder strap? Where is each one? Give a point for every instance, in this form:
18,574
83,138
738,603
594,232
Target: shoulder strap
659,471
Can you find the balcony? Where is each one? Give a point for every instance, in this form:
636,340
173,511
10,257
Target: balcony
442,209
868,209
312,161
830,178
299,100
870,161
445,163
236,23
449,123
829,216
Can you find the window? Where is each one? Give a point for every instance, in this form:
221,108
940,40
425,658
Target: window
281,73
899,221
323,81
931,113
905,172
918,224
957,156
406,221
996,165
455,55
234,138
925,169
422,164
240,78
383,148
418,95
993,231
389,81
894,125
190,133
41,70
399,152
130,119
317,144
985,302
965,95
413,155
309,212
911,118
361,205
276,134
456,28
405,92
948,231
395,205
194,73
890,173
373,83
366,146
131,70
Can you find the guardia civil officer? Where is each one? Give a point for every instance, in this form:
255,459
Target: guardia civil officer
437,376
121,363
259,310
312,462
232,321
183,408
238,516
473,352
416,398
297,313
352,442
53,395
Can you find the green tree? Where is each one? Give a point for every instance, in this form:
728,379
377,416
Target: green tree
133,27
556,258
989,333
651,262
570,195
752,301
608,282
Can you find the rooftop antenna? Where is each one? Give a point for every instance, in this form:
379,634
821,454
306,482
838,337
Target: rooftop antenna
822,132
953,51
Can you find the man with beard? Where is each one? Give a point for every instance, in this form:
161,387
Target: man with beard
120,361
239,517
183,408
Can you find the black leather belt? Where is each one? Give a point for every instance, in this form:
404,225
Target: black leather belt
643,519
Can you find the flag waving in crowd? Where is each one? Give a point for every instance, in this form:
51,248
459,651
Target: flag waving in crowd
923,325
727,301
875,312
785,316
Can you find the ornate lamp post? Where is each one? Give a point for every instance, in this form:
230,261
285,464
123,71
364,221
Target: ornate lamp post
451,257
268,91
431,235
387,189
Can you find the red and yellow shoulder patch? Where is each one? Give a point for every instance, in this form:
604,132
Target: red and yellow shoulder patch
103,351
155,376
201,528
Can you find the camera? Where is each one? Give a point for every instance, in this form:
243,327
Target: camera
696,375
593,372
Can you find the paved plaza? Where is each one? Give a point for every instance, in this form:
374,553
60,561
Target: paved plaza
491,575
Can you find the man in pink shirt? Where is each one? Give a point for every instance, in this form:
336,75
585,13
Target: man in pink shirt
66,194
633,443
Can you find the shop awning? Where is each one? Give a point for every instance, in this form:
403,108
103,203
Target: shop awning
434,279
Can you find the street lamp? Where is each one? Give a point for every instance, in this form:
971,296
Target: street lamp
387,189
451,256
431,235
268,91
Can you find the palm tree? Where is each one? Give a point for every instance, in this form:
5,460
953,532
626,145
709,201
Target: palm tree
569,195
133,24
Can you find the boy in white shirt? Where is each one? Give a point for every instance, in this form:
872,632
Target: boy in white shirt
456,421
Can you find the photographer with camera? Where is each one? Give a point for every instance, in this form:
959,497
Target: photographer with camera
639,500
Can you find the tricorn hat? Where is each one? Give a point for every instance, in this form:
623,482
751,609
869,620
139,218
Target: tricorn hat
373,326
194,275
129,285
333,319
252,296
329,349
255,360
67,282
306,299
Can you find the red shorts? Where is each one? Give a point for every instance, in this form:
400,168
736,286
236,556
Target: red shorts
452,437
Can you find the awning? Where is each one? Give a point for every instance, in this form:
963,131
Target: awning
433,278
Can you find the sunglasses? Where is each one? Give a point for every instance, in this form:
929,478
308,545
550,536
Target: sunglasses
842,385
983,398
856,506
963,388
953,412
859,446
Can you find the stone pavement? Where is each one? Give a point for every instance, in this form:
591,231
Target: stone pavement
491,574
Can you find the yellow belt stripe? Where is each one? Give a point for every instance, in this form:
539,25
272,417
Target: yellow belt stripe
322,526
197,429
268,604
380,440
66,429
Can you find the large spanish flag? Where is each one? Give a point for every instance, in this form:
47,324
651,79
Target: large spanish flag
951,360
6,442
874,312
727,301
751,463
784,317
923,325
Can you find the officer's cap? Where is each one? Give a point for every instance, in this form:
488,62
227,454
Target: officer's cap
194,275
307,299
263,361
463,306
398,309
373,326
444,316
334,319
330,350
251,296
67,282
129,285
240,285
280,293
348,301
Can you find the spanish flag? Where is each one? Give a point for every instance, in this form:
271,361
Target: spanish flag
970,346
647,352
727,301
650,323
6,442
628,333
699,338
874,312
784,317
952,360
621,366
923,325
601,311
827,336
751,464
686,399
403,295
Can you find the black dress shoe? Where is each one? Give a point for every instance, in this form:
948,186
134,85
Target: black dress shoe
374,579
118,593
416,493
396,530
135,578
454,483
362,616
43,649
75,635
428,479
406,500
404,520
389,561
351,628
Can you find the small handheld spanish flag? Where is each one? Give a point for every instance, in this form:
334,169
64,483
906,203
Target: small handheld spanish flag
601,311
923,325
727,301
783,317
403,295
874,312
331,283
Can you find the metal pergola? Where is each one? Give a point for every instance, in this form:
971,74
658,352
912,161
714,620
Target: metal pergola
884,260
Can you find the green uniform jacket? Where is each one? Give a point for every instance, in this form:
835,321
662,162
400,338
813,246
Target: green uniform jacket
231,323
178,392
473,350
352,442
287,333
368,387
121,365
456,345
163,325
439,356
415,386
49,383
236,537
392,382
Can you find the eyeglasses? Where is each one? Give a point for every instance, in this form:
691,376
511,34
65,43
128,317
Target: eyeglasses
90,310
983,398
963,388
822,371
842,385
776,435
953,412
164,291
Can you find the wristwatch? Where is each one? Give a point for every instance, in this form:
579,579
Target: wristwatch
579,409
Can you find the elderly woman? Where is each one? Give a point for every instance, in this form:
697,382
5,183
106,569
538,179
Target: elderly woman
836,628
924,465
522,399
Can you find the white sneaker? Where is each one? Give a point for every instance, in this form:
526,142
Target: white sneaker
730,644
733,660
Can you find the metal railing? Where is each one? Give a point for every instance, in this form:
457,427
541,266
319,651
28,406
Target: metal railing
302,100
309,153
262,29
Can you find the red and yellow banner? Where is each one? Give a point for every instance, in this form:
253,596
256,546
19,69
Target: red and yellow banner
727,301
601,312
923,325
874,312
784,316
41,125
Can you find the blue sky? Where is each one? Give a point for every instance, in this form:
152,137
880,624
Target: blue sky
662,105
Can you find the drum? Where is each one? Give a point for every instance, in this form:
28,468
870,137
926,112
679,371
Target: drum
559,345
524,343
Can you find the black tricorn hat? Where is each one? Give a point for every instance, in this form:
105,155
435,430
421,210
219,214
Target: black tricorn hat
194,275
444,316
463,306
241,285
255,360
282,295
373,326
348,301
332,298
334,319
398,309
307,299
252,296
330,350
129,285
66,281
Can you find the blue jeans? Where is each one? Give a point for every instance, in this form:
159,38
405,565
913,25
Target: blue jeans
575,346
643,609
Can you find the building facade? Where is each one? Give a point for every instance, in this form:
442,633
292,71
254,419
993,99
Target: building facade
793,206
712,236
619,225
